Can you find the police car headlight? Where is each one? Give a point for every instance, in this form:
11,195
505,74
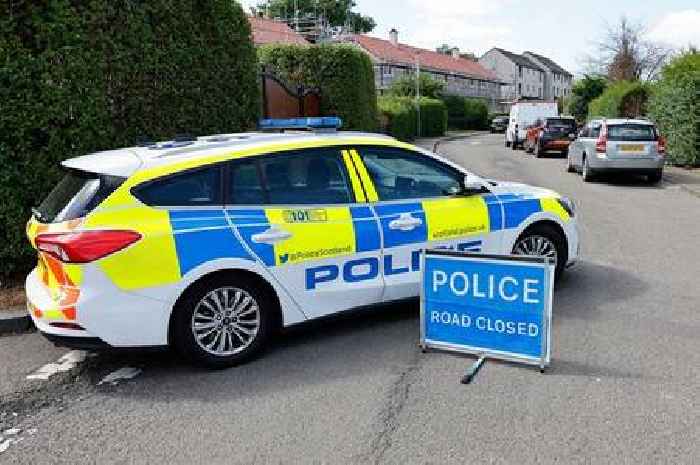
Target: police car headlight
568,205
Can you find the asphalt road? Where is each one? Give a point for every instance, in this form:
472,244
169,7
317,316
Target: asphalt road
623,386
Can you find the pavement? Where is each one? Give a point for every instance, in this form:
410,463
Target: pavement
622,387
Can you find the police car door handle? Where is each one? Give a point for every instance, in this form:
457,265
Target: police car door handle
405,222
271,236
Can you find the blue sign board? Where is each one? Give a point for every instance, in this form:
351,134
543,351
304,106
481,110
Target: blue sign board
496,306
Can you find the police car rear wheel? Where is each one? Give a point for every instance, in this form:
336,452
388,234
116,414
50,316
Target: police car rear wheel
223,322
545,241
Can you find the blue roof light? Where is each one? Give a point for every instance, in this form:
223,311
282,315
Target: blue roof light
321,122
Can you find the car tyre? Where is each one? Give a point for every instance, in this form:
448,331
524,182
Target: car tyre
655,177
586,172
538,149
570,168
507,144
514,145
199,306
545,238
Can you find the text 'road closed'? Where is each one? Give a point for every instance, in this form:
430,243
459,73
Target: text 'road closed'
496,305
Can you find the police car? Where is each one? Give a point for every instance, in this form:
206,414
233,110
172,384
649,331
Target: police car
210,245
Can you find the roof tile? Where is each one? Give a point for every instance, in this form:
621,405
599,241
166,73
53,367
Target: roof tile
269,31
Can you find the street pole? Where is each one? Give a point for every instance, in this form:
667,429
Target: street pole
418,94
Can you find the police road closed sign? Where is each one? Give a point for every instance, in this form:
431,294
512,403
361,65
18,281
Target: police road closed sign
494,306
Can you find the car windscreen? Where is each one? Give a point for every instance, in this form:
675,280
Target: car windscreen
632,132
78,193
561,123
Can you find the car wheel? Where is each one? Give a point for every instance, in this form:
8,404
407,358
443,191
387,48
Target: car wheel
538,149
507,143
655,177
223,321
586,172
543,241
569,165
514,145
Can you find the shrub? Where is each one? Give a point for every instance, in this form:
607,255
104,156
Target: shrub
405,86
398,117
622,99
675,106
466,113
433,117
344,75
77,77
476,114
582,93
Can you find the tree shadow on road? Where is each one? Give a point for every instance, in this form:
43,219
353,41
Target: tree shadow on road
586,287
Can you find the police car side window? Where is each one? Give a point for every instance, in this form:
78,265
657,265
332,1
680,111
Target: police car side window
196,187
305,178
245,186
399,174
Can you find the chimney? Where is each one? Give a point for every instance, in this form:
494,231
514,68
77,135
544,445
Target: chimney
455,53
394,37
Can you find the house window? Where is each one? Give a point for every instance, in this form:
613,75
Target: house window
520,71
387,70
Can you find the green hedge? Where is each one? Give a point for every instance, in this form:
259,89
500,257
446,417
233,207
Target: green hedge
621,99
675,106
433,117
343,73
466,113
398,117
76,77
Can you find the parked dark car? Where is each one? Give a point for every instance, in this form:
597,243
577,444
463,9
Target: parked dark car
499,124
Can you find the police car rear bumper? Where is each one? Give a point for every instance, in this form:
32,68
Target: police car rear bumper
104,317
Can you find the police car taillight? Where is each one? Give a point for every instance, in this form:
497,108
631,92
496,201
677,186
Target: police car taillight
85,246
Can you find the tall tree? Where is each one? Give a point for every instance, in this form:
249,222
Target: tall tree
624,53
336,12
583,92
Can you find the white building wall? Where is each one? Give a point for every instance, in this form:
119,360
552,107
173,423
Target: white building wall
522,81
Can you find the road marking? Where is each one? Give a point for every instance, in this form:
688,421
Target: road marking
63,364
124,373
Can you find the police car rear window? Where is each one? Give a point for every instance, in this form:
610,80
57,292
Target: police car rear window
76,195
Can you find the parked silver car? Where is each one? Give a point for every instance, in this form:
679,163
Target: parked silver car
618,145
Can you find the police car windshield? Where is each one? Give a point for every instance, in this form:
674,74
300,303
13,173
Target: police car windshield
75,196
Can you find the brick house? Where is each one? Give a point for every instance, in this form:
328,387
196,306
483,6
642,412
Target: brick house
392,60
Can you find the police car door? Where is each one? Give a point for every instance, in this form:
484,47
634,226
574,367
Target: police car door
418,206
313,231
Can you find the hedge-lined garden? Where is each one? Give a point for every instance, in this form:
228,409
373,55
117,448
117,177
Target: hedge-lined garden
398,117
343,73
77,77
621,99
675,106
673,102
466,113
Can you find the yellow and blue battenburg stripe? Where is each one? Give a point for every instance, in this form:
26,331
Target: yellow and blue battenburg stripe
202,236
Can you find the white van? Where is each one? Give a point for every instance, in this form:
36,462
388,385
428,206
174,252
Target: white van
524,114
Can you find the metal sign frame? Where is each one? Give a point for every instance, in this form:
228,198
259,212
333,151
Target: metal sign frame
544,263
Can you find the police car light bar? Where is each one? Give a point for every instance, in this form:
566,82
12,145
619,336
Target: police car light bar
322,122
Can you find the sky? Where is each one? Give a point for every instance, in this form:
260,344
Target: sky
563,30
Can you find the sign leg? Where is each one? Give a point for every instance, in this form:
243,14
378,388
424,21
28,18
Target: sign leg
473,370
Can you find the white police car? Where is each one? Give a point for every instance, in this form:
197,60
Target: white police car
210,245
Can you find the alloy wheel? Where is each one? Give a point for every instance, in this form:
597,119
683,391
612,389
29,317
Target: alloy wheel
536,245
226,321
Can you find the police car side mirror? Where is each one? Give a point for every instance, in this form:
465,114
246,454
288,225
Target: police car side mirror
472,183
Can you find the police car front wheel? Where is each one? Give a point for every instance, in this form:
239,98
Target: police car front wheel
543,240
223,321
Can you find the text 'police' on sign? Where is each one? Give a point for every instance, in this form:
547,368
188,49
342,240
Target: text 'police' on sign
497,306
